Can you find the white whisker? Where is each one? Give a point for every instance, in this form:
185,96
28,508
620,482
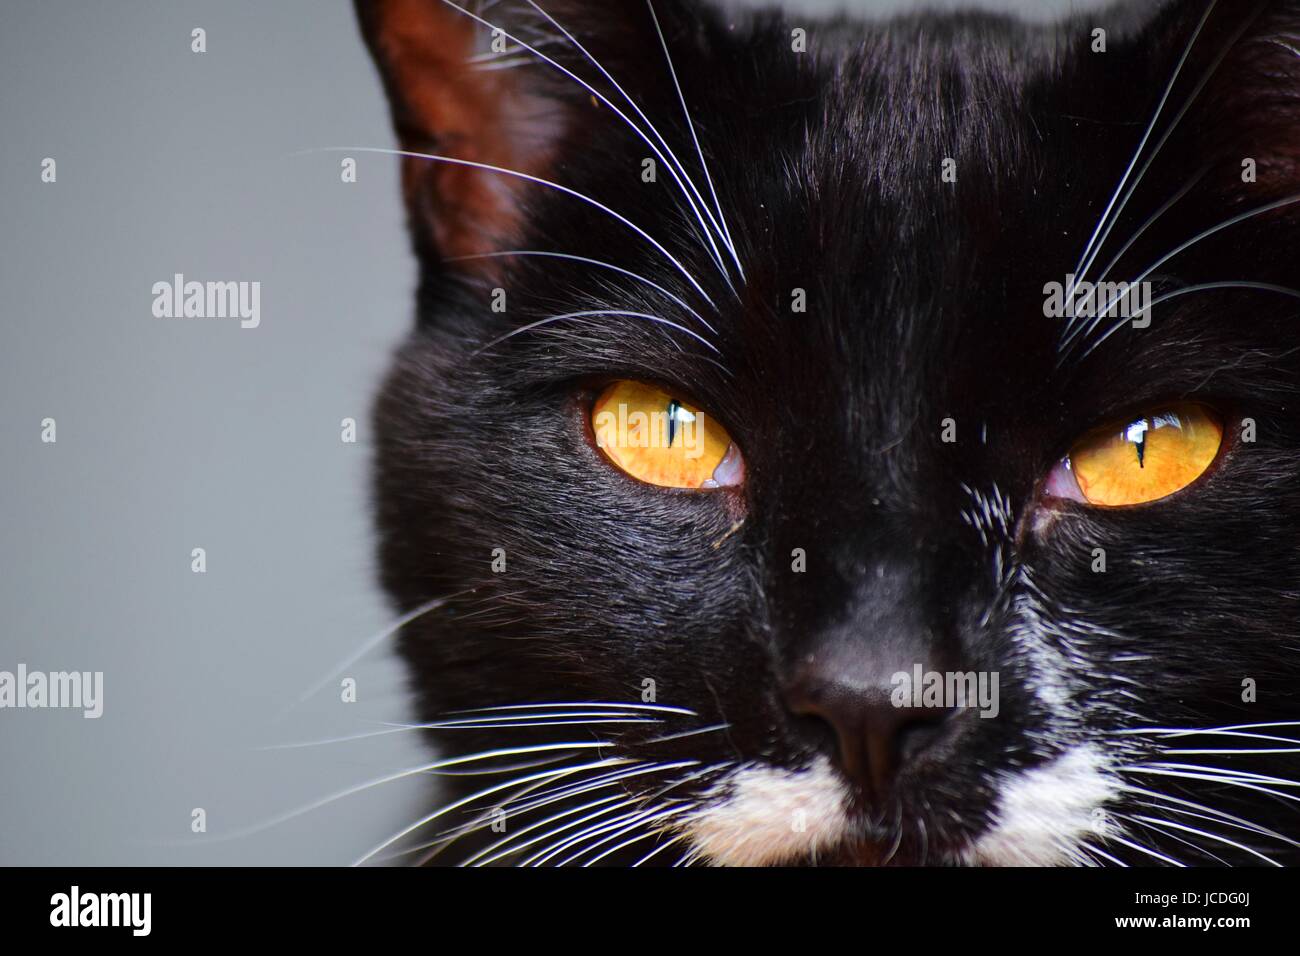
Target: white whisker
1199,237
589,313
659,849
593,262
484,723
369,646
504,848
1248,752
623,116
731,246
1207,833
1245,784
1145,849
595,829
1076,326
441,811
1167,834
591,821
656,708
447,838
1105,216
1226,771
513,807
390,778
1186,731
528,177
1089,848
1205,79
684,181
1186,290
645,821
1168,803
690,733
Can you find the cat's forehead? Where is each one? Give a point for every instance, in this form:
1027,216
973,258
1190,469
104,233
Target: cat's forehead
933,182
909,227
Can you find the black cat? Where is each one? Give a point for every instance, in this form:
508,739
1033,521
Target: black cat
882,440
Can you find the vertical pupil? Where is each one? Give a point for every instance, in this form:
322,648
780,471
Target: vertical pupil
673,405
1137,434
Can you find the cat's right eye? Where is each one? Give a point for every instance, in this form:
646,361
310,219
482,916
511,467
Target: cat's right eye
656,438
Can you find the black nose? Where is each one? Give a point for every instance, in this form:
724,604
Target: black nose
874,739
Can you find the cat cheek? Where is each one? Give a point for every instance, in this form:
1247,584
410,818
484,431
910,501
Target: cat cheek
1061,483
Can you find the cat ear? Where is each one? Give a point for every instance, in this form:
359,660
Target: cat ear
453,92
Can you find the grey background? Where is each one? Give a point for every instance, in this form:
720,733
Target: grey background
176,434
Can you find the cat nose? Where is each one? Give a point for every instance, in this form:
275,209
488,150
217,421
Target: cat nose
875,740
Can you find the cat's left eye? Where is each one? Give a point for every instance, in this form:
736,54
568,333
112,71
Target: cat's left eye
1140,460
657,438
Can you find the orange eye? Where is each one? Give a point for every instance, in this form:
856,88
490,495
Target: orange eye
655,438
1146,459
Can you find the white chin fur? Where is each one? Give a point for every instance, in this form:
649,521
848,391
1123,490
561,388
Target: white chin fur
764,816
1044,814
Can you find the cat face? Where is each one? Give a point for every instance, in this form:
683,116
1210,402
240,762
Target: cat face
861,264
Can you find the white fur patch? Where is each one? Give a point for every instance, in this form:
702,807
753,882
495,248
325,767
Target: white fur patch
764,816
1044,814
1049,676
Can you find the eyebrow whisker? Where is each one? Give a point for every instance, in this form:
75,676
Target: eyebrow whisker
529,177
592,262
589,313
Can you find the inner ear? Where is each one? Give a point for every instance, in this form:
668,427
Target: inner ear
453,93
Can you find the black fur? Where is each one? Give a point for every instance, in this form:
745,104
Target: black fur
925,302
